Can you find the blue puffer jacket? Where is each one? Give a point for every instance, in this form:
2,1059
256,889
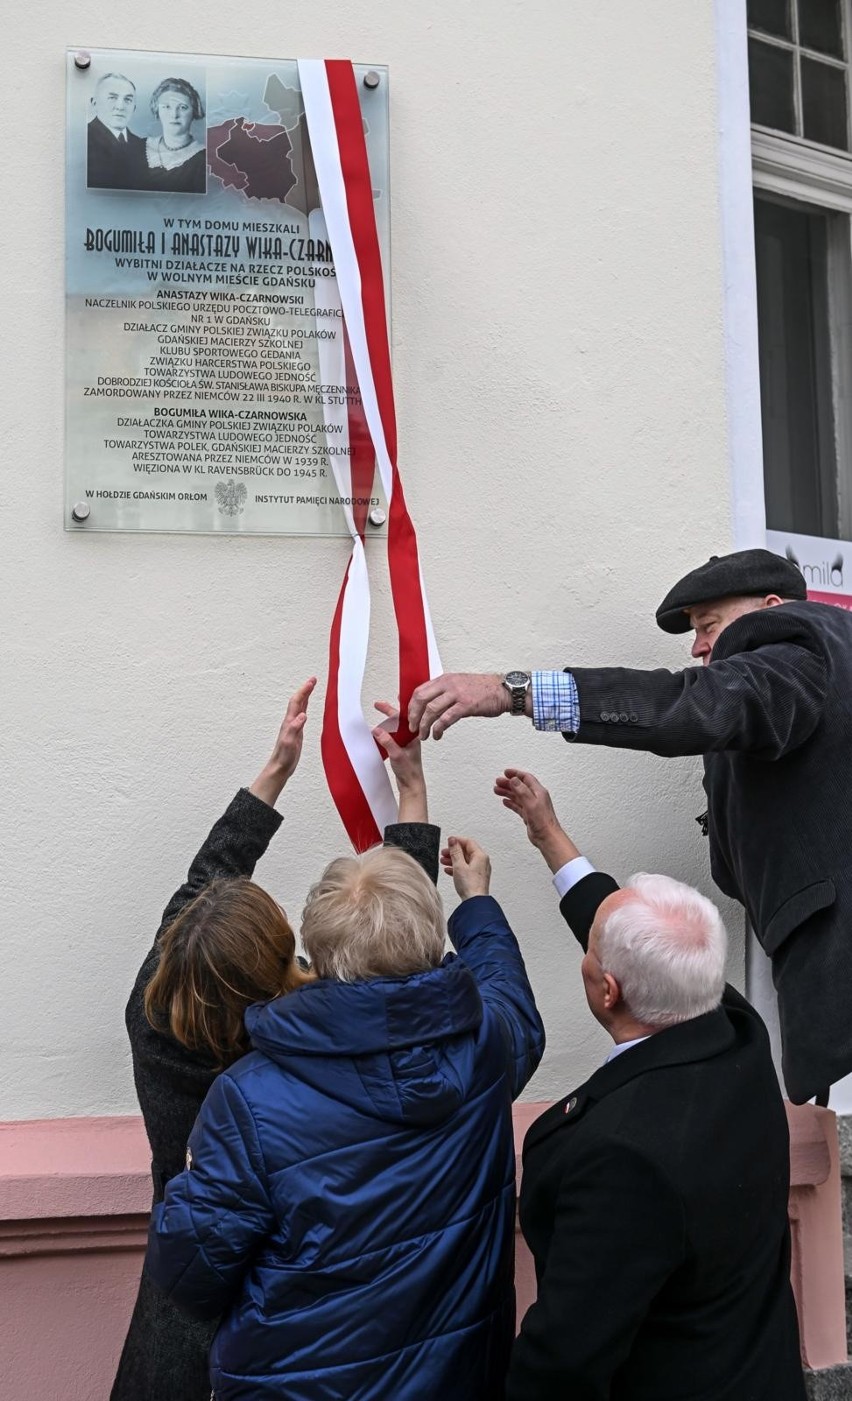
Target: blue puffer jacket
350,1200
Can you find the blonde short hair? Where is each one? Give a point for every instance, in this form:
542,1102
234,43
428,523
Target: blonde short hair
377,915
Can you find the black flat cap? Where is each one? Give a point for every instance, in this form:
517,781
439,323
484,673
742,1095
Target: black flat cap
755,572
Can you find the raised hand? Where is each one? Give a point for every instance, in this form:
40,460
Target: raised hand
406,764
522,794
438,704
287,750
469,866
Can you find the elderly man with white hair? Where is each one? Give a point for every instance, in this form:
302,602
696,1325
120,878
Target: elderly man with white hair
654,1197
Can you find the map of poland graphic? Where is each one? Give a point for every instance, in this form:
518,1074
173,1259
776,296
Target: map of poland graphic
266,160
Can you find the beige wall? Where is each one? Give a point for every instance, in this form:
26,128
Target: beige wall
558,347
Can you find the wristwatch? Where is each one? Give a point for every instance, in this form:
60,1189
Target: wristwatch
517,683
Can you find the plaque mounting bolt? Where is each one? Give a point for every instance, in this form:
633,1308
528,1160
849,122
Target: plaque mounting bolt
371,79
82,59
80,511
377,516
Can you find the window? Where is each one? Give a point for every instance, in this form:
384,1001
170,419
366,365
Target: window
799,82
797,69
798,423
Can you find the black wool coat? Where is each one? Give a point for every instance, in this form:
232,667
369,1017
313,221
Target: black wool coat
165,1353
654,1201
772,715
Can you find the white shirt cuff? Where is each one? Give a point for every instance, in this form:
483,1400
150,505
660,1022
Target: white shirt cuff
568,875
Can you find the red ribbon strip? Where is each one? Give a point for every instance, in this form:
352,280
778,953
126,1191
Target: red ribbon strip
403,558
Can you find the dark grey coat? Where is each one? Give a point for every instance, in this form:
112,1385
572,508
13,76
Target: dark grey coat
165,1352
772,715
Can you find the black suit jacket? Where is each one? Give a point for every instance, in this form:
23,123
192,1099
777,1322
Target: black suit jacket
113,164
654,1201
772,715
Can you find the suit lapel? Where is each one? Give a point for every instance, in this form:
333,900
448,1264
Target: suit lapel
699,1039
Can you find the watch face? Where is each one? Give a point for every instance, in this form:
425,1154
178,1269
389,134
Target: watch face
517,678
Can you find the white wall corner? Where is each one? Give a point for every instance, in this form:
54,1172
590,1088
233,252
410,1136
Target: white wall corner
739,285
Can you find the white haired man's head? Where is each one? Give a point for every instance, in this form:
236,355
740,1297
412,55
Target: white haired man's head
114,101
656,957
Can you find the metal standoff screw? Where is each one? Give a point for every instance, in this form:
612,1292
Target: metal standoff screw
80,511
371,79
377,516
82,59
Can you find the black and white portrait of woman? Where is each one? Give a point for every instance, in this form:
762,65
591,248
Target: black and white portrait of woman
174,155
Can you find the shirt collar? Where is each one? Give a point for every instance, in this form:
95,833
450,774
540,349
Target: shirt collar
623,1046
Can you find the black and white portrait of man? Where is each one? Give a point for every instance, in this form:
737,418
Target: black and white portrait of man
116,155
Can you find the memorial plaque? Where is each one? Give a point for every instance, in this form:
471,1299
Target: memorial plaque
207,385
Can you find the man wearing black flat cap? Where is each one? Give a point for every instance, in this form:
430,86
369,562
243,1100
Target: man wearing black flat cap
771,712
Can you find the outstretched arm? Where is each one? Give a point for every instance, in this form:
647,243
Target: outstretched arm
765,702
238,840
523,795
484,941
762,694
413,832
285,756
166,1073
406,763
551,701
581,889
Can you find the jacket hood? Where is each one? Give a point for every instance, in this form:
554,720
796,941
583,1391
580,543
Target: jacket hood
401,1048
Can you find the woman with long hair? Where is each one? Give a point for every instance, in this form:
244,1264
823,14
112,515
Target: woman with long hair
223,945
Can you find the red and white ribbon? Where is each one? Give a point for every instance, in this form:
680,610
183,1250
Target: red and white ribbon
354,768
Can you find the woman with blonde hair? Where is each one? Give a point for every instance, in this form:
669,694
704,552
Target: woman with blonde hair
223,945
349,1197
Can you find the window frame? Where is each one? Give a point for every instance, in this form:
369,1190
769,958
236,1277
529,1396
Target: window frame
791,165
791,170
825,380
838,274
786,165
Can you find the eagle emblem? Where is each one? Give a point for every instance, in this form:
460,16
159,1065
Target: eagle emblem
231,497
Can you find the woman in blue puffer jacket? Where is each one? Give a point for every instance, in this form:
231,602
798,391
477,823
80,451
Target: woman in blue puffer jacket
224,944
349,1198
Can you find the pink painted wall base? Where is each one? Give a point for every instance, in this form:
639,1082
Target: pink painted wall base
74,1199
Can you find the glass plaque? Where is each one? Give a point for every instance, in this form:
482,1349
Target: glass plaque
206,371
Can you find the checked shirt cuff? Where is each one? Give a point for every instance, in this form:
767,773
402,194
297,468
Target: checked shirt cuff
555,701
